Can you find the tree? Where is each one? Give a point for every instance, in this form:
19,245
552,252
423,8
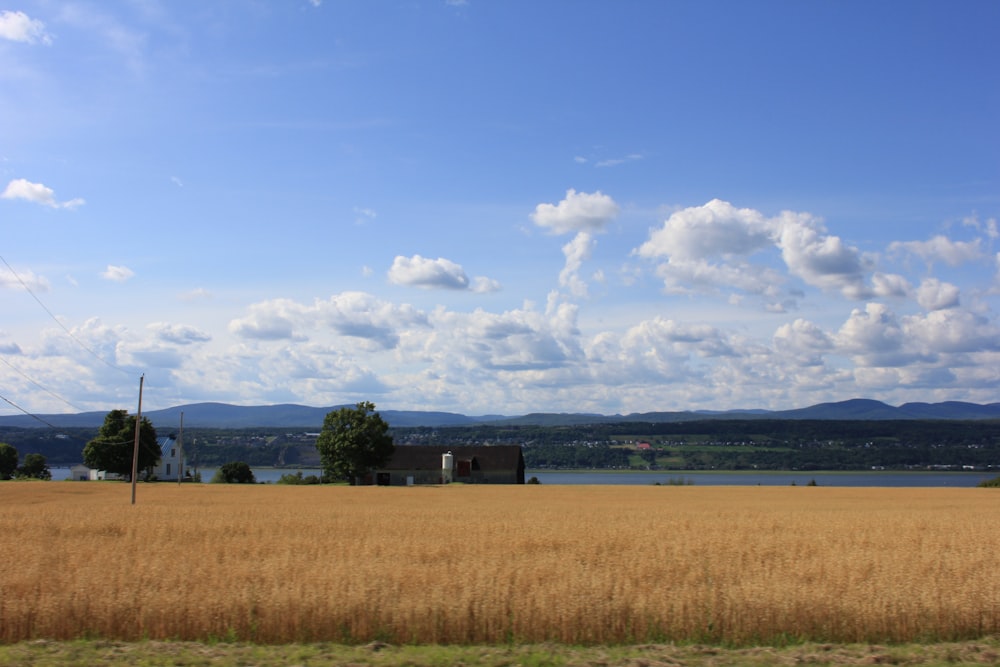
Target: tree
112,449
35,466
353,442
234,472
8,460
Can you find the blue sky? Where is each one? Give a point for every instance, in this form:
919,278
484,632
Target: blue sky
498,207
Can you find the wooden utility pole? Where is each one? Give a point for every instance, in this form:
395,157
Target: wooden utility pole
180,452
135,447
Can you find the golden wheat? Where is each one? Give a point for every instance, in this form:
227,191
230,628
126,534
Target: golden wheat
470,564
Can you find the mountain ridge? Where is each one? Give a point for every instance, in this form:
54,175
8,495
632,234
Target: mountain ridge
290,415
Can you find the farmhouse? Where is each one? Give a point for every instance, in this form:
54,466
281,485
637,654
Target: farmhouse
423,464
172,464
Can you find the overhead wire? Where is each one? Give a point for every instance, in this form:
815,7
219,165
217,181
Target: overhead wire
39,385
56,320
33,416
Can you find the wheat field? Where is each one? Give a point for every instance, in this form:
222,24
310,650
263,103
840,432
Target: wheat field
494,564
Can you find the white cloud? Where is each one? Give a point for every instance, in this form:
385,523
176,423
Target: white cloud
952,331
179,334
24,278
119,274
940,249
936,295
484,285
717,229
576,251
37,193
804,340
419,271
706,247
988,226
363,316
820,259
271,320
578,212
874,336
887,285
19,27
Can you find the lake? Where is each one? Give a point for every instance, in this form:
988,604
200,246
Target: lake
736,478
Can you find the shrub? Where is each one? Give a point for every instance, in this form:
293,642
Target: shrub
298,479
234,472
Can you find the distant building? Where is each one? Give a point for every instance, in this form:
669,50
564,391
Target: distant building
79,472
422,464
171,465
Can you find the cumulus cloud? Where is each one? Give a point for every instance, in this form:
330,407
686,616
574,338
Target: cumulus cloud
179,334
578,212
271,320
577,252
20,188
940,249
804,340
119,274
717,229
23,278
19,27
483,285
936,295
820,259
583,213
952,331
709,246
419,271
364,316
887,285
437,273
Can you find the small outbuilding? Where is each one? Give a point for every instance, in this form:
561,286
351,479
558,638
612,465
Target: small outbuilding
428,464
79,472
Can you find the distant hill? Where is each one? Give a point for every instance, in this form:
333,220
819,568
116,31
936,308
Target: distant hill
224,415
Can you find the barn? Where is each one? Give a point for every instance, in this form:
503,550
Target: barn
423,464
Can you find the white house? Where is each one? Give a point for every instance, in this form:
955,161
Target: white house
172,465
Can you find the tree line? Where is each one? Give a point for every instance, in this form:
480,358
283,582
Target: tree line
696,445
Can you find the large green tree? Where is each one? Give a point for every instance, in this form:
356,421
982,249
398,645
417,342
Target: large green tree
354,442
8,460
112,449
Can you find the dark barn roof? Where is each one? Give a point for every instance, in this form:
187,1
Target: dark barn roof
428,457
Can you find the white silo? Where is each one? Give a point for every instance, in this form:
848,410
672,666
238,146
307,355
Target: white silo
447,466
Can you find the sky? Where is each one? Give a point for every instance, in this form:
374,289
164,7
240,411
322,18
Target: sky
498,207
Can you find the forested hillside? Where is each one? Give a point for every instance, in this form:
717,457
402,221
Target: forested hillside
697,445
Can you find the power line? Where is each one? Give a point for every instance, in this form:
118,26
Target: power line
46,390
56,320
7,400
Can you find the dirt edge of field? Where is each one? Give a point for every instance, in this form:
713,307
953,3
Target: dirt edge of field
41,653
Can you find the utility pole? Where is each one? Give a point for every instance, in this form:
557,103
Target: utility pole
135,447
180,452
